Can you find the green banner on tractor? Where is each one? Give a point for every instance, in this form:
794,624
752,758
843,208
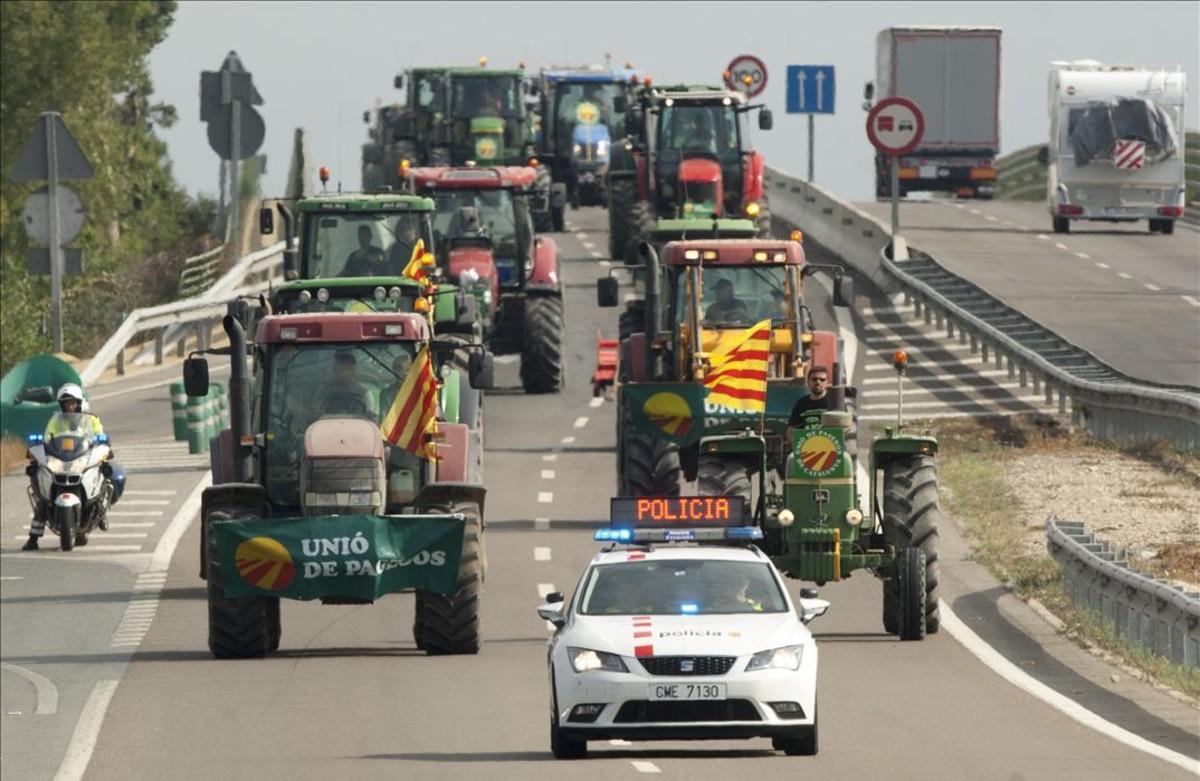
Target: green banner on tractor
363,556
681,412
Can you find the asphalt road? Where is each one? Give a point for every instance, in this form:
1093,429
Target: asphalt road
1130,297
348,695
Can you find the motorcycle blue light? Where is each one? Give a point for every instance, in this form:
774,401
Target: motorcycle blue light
102,439
33,439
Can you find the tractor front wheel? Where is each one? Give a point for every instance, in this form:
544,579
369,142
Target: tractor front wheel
648,465
723,476
911,517
238,627
911,583
542,365
450,624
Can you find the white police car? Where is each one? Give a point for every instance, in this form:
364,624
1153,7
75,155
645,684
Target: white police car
665,641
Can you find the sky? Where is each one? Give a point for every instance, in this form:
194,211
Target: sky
320,65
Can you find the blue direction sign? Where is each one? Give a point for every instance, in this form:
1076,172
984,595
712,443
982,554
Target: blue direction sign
810,89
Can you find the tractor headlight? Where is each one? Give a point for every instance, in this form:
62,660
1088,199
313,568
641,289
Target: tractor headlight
323,295
380,293
585,659
786,517
601,148
854,516
577,148
786,658
305,296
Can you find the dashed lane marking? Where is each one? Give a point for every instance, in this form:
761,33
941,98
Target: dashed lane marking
580,422
990,218
642,766
1101,265
541,554
545,497
596,254
589,245
142,502
1152,287
1043,237
550,457
1083,256
148,492
567,440
547,474
1191,300
1062,246
975,211
605,263
1123,275
596,401
545,589
136,513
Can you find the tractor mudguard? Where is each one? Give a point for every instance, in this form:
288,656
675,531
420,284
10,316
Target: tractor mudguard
221,457
248,496
897,443
752,182
454,452
544,277
477,259
444,492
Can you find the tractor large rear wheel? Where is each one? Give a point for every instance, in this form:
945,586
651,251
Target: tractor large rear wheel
622,193
647,465
450,624
542,364
642,223
238,627
911,517
723,476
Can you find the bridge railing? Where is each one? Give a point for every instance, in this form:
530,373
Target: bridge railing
1113,406
1143,610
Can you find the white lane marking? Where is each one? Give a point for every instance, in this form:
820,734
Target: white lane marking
975,211
541,554
547,474
596,253
135,513
550,457
1152,287
545,497
580,235
87,731
1023,680
606,263
47,692
567,440
958,206
187,513
1191,300
1123,275
642,766
1043,237
12,577
156,502
990,218
541,524
507,358
138,525
1083,256
580,422
545,589
596,401
589,245
146,492
1101,265
1062,246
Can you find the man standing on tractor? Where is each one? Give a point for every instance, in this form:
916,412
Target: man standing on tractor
367,260
817,399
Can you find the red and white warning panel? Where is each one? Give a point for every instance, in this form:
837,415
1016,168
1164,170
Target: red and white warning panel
1129,154
678,519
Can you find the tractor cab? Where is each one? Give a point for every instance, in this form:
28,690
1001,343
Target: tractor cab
360,235
488,119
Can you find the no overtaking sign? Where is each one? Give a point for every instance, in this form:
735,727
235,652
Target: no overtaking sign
895,126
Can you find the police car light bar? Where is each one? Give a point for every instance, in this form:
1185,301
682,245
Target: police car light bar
730,533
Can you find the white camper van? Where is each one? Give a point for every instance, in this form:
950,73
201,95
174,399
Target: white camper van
1116,144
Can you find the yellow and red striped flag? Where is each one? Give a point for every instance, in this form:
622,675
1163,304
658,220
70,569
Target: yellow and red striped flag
420,265
737,374
413,413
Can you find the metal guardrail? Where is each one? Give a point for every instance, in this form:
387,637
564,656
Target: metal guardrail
1113,406
252,274
1147,611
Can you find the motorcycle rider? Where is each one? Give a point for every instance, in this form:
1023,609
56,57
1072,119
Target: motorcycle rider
71,417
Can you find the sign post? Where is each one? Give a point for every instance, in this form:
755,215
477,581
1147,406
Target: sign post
894,127
52,153
235,129
811,90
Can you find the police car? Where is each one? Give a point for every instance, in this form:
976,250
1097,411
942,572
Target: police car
682,629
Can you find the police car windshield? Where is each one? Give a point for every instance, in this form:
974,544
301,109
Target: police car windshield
681,587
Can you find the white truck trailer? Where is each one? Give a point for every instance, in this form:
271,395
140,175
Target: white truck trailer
953,75
1116,144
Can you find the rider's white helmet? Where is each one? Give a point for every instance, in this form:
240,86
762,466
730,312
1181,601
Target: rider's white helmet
71,391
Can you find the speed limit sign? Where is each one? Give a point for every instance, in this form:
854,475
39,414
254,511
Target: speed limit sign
746,74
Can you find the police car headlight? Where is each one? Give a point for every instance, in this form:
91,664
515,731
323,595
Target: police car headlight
786,658
786,517
585,659
854,516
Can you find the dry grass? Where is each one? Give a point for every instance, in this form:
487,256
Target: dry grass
12,454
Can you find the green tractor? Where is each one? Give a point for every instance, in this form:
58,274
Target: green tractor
804,481
310,502
416,130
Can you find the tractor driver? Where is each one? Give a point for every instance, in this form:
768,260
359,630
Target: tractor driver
367,260
696,132
816,401
345,396
727,308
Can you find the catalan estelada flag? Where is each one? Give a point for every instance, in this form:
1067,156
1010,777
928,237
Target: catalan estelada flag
737,374
420,264
413,413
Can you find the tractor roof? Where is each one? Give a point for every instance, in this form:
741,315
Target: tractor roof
347,282
365,202
484,73
586,75
473,178
733,252
699,227
327,327
695,93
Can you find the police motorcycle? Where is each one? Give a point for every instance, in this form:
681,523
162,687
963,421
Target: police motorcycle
71,487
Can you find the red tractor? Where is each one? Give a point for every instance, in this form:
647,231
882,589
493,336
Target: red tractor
688,154
485,243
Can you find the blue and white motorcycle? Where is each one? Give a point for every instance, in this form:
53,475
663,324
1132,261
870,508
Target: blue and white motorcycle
73,484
